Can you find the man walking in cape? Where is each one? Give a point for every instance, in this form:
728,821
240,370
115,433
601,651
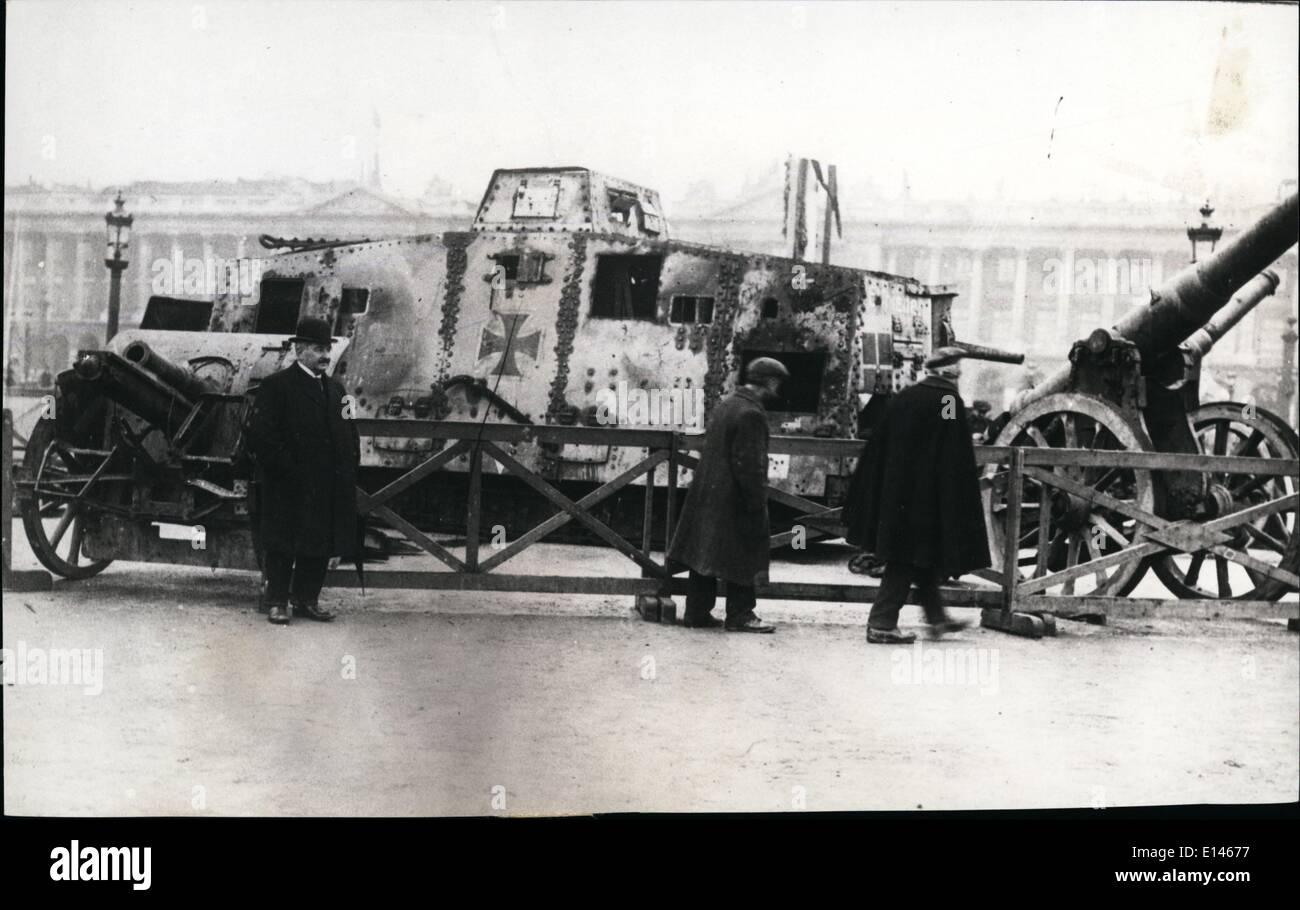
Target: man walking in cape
916,502
307,453
723,532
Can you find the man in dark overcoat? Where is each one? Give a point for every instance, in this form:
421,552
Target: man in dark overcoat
916,504
307,452
723,532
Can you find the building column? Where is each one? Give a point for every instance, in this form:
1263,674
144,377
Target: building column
1018,296
142,262
80,306
209,268
974,298
932,277
1064,292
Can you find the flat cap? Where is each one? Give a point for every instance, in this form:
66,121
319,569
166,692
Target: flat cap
763,367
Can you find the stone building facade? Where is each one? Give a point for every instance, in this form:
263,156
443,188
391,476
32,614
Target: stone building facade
1029,277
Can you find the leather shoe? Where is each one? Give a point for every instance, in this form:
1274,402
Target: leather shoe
889,637
314,611
279,614
939,629
701,622
750,623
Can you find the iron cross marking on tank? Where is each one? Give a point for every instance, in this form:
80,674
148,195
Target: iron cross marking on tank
508,341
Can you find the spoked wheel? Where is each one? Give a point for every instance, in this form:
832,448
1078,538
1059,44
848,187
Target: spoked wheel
1231,428
1060,530
56,526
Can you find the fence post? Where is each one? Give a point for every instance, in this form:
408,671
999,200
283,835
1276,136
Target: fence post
475,508
26,580
648,512
1007,619
1011,542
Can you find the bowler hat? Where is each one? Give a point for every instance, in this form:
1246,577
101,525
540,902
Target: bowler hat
313,330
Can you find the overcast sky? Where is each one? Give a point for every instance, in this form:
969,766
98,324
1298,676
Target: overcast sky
1032,100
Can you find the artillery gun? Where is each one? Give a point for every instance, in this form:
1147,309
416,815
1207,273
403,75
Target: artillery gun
565,298
1136,387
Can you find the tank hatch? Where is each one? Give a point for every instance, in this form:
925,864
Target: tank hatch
569,199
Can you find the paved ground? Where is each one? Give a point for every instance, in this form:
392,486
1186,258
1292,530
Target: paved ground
417,703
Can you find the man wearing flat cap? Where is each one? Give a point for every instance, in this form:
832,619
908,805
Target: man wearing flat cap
723,532
307,453
915,500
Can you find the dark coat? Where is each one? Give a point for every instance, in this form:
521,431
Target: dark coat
307,455
723,531
915,495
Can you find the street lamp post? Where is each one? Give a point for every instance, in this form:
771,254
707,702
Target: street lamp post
1288,389
119,238
1205,233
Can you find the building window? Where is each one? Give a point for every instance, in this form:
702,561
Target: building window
691,309
626,287
771,309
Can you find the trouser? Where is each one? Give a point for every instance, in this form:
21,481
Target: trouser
299,577
894,587
702,594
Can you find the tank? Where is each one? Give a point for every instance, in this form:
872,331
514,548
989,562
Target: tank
565,301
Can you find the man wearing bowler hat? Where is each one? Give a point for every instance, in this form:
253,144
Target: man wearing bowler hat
307,452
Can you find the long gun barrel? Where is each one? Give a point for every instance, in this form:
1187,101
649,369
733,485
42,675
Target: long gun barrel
1257,289
1191,298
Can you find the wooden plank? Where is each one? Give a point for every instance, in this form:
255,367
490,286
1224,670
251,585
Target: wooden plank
1156,461
1249,562
474,505
810,512
1141,607
1083,491
511,432
1137,551
809,445
418,537
1286,503
952,597
559,499
483,581
556,521
418,473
